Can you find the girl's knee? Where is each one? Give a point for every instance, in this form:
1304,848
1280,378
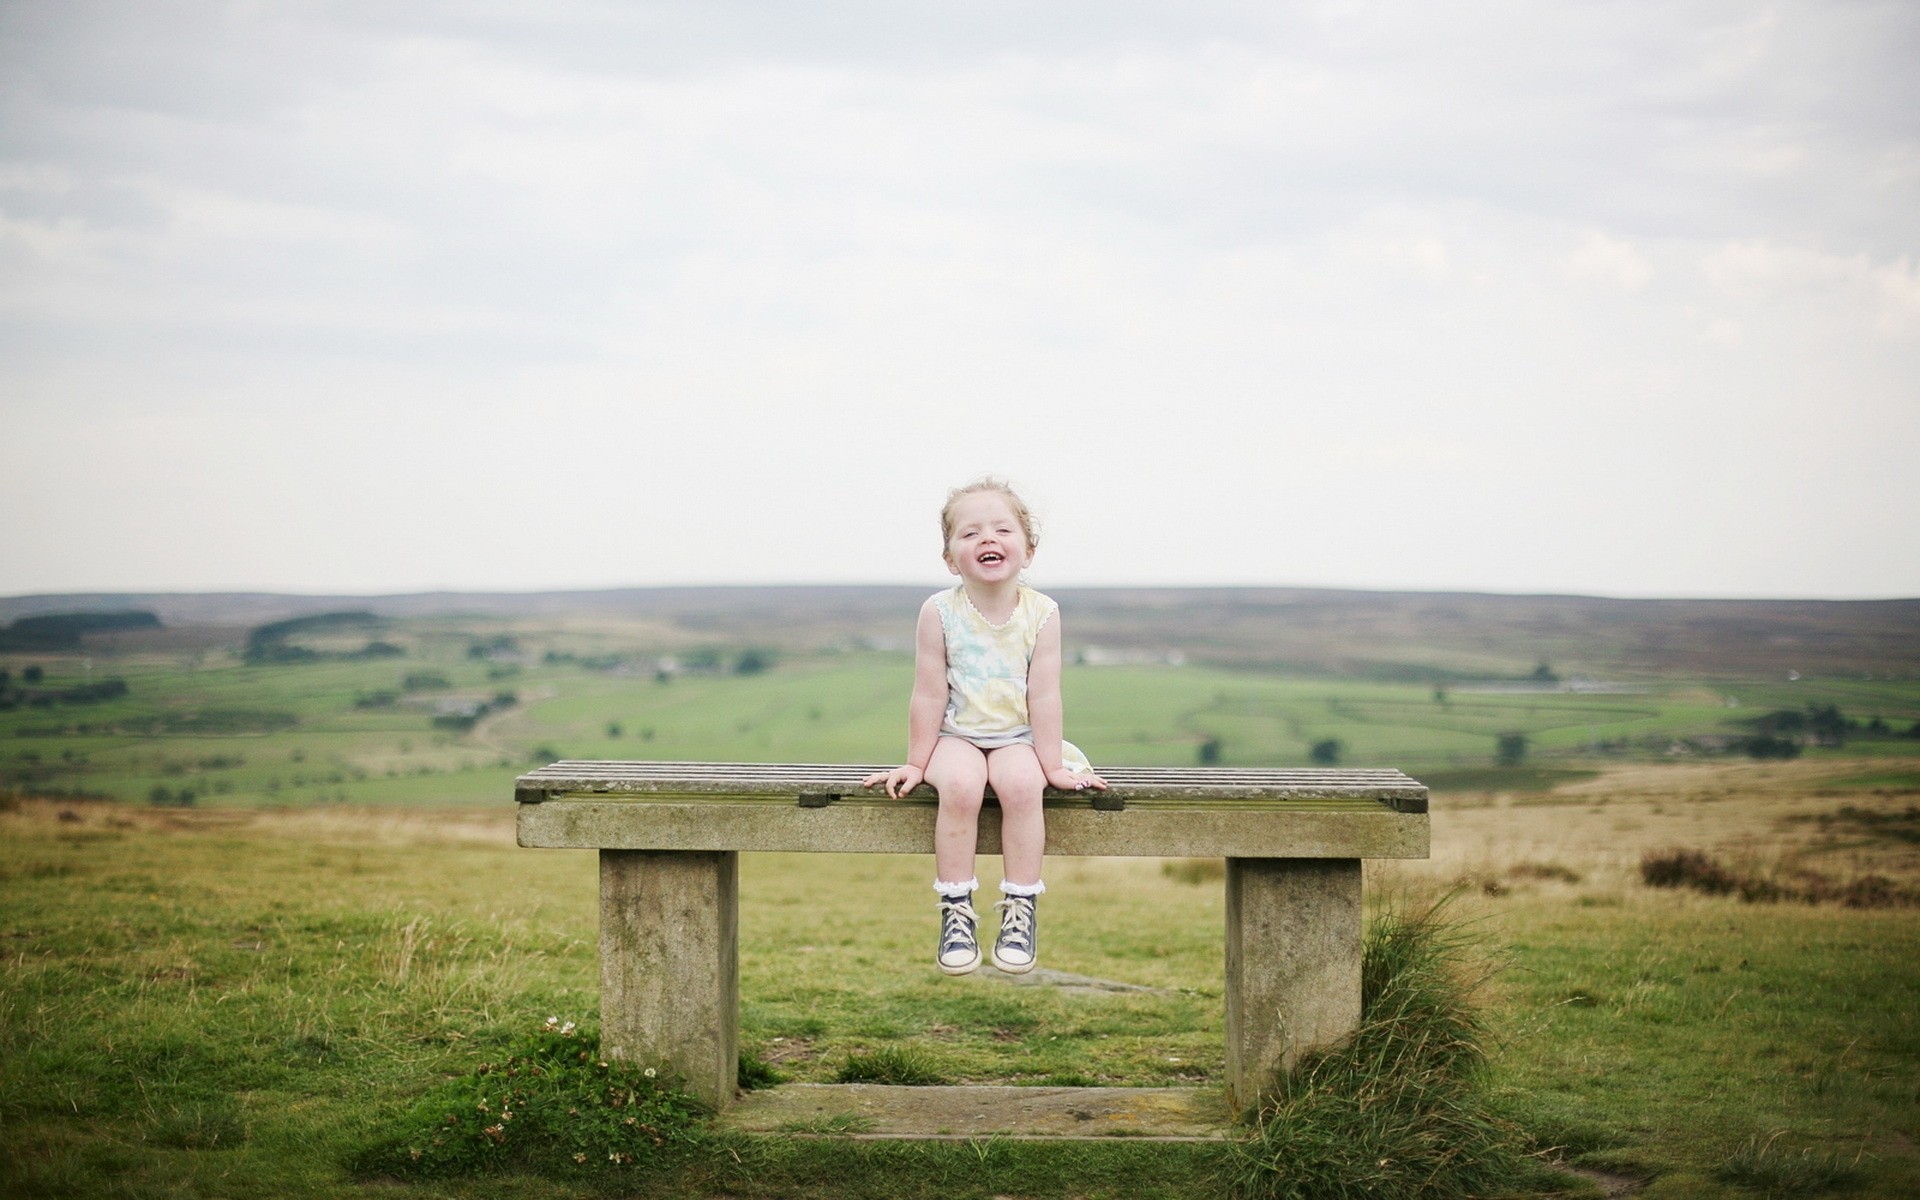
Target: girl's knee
1018,799
961,801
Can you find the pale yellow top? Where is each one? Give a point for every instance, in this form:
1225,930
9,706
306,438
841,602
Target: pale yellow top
987,668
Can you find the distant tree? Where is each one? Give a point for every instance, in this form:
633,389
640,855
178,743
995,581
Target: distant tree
63,631
1209,752
613,729
1827,725
1439,693
1326,752
6,677
1510,749
752,662
160,797
1877,726
424,681
1767,745
32,674
1543,673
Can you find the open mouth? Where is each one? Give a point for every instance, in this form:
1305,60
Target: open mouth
991,558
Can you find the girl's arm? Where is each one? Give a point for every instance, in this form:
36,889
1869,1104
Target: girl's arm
1043,711
926,709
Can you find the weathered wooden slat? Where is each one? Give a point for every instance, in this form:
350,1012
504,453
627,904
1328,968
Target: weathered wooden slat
1128,786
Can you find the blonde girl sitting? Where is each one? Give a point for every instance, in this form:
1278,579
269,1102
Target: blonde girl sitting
986,711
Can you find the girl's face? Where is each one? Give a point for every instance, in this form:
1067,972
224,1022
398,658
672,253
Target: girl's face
988,544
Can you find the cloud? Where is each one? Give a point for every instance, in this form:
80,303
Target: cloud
1312,290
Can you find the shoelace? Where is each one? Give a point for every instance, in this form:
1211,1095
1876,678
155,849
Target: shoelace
957,928
1016,921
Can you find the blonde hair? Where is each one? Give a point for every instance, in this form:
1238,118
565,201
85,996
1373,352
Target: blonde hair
989,483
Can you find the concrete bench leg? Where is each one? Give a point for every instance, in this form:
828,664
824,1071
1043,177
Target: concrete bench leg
1293,965
670,964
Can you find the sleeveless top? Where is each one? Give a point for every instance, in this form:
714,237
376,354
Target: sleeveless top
987,671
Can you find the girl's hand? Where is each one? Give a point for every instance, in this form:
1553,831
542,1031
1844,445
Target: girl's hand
1067,781
899,781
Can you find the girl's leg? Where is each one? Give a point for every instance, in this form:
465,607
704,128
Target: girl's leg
958,772
1018,782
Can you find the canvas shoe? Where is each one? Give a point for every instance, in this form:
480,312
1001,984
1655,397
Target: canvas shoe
958,951
1013,950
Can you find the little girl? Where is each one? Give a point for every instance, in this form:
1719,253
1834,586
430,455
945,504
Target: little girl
986,710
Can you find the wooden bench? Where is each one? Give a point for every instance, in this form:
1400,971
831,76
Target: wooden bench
670,837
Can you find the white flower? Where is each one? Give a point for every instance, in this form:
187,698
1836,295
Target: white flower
649,1072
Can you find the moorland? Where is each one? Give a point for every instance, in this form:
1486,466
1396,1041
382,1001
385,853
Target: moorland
260,893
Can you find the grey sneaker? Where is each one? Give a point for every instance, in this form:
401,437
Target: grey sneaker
1013,950
958,951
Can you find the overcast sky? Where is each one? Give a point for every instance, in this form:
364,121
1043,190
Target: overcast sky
1617,298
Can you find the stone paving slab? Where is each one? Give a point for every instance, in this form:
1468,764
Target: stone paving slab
871,1110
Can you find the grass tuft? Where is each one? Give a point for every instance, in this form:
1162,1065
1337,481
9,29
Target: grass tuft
1400,1109
1761,1165
902,1065
756,1073
553,1107
200,1125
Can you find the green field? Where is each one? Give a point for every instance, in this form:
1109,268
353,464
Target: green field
364,731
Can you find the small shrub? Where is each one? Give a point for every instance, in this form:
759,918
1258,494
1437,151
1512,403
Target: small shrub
1700,871
1694,869
552,1106
1209,752
901,1065
1325,752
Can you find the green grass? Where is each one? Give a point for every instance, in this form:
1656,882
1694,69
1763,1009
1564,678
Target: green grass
225,1003
234,735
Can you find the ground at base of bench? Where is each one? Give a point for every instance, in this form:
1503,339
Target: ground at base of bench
871,1110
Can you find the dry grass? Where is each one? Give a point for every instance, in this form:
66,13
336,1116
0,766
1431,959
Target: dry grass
1760,819
321,825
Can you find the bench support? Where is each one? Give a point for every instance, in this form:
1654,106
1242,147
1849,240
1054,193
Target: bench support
1293,965
670,964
